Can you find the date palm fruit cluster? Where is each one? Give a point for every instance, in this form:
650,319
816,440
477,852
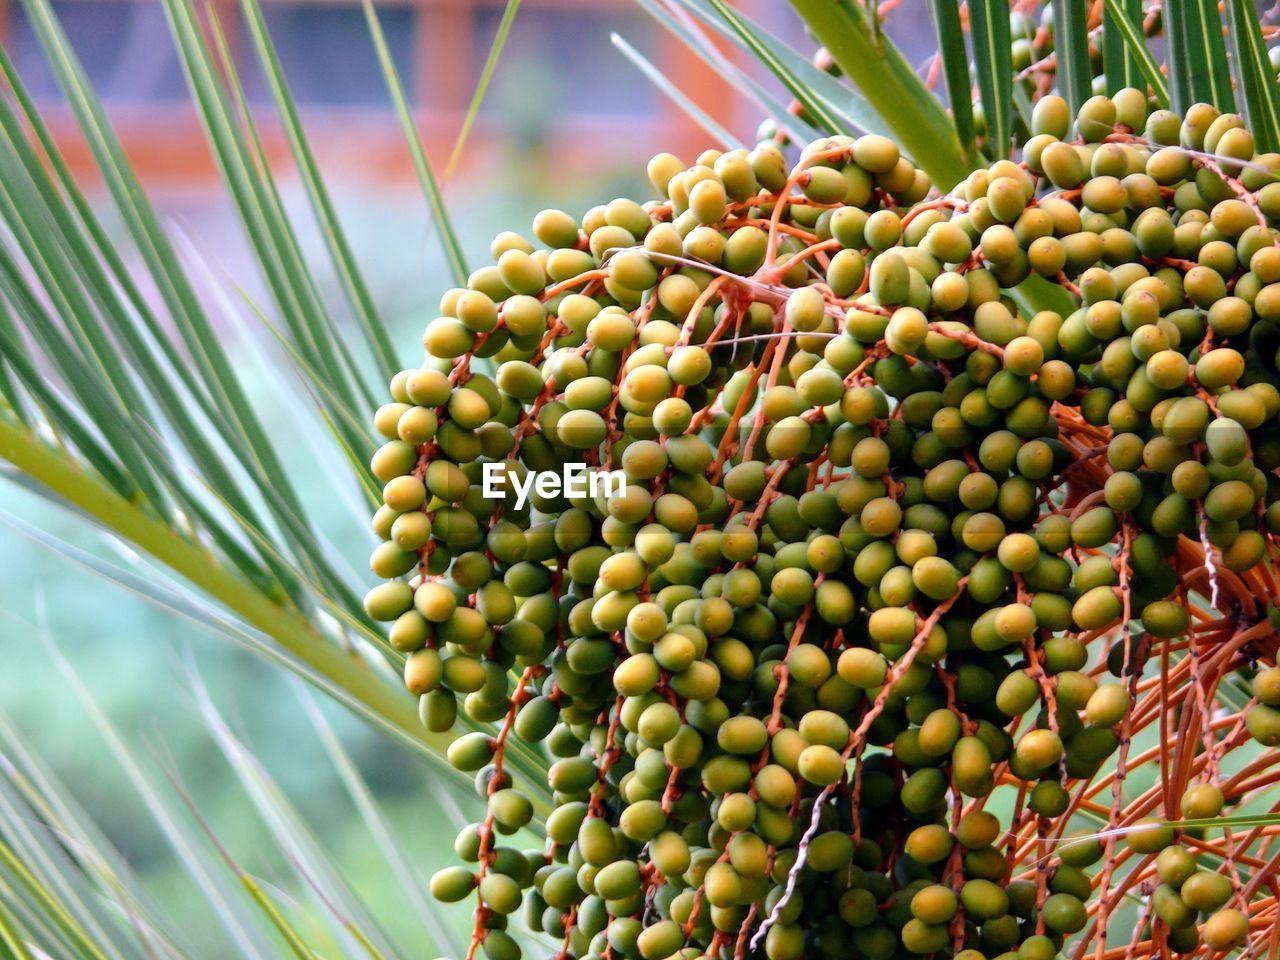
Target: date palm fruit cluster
903,567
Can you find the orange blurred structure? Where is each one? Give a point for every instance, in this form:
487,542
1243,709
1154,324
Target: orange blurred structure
560,82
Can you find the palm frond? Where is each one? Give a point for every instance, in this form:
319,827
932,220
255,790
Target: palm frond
993,63
358,294
1255,78
408,879
891,86
754,41
252,186
677,96
227,404
426,177
482,85
1192,73
1121,22
1071,38
350,923
147,429
828,104
66,891
239,928
955,68
680,22
345,670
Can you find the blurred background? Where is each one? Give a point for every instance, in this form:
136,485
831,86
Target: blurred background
567,121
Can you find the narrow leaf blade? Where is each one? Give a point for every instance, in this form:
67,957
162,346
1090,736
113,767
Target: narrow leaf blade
676,95
1210,26
1183,88
955,67
847,107
1071,39
993,61
1197,54
1255,80
486,75
435,200
891,86
751,38
680,24
358,294
1122,22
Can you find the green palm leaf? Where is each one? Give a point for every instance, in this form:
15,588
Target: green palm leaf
358,294
344,670
677,96
751,38
1071,38
1121,21
829,104
435,201
1197,55
486,75
407,877
229,407
955,67
890,86
993,62
682,25
1255,79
